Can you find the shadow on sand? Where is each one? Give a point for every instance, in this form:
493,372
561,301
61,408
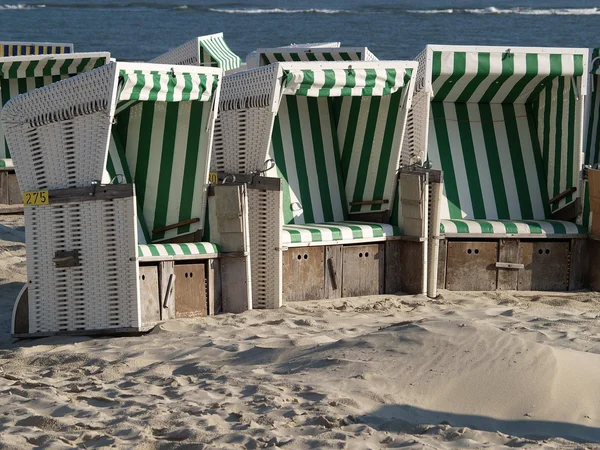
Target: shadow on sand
402,418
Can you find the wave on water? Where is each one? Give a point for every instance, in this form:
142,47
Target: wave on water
278,11
21,6
515,10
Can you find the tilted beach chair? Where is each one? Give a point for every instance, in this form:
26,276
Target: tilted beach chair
209,51
121,257
18,74
505,127
330,134
307,52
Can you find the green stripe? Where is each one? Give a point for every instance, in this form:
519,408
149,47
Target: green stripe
468,151
558,138
308,79
349,139
191,161
516,154
493,157
385,158
461,226
319,154
329,83
366,151
166,168
143,150
436,66
537,156
185,249
570,139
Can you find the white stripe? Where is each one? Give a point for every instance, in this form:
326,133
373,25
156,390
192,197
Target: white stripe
510,184
290,163
509,84
433,154
552,138
495,69
458,160
472,63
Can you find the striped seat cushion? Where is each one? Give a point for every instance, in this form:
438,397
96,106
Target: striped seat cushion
161,251
6,163
337,232
527,228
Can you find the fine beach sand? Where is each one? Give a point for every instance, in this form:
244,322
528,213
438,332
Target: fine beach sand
470,370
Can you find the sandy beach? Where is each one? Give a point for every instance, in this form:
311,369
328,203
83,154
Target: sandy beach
468,370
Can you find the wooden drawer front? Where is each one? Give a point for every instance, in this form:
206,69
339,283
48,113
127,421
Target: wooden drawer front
546,266
471,266
304,274
363,270
190,290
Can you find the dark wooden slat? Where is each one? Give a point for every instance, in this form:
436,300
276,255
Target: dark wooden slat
176,225
562,195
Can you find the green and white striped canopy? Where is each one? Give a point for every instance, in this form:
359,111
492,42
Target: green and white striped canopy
497,76
505,127
166,86
161,141
209,51
297,54
338,82
24,73
215,52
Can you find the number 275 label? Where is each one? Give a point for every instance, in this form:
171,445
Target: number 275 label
35,198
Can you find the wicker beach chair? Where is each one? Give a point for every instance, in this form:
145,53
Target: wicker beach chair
330,135
210,51
505,127
19,63
307,52
106,258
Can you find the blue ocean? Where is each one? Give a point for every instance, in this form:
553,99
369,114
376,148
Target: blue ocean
392,29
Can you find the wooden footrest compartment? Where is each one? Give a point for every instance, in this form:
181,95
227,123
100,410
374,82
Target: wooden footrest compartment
336,271
512,264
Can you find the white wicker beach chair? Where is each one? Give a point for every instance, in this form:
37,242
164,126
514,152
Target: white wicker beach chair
307,52
332,133
110,257
505,127
210,51
26,66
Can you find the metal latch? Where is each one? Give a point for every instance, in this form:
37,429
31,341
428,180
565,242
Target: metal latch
514,266
63,258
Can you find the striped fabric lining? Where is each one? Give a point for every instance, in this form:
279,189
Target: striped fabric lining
329,150
592,131
166,148
490,166
6,164
23,75
539,228
144,85
345,232
344,82
215,52
305,148
33,48
370,139
160,251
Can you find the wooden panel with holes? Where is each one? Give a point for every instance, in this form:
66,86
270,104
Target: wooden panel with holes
471,265
304,273
190,290
149,295
546,265
363,270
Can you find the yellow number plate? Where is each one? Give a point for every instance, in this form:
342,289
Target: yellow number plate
36,198
213,177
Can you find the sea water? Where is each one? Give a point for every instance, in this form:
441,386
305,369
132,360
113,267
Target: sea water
392,29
